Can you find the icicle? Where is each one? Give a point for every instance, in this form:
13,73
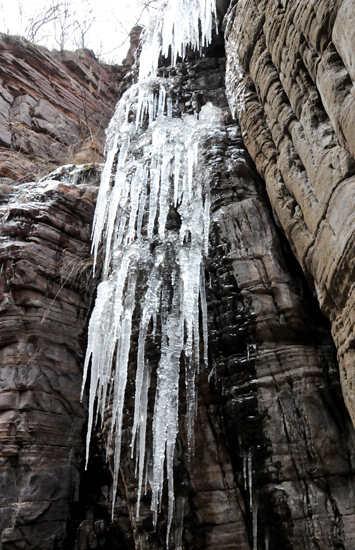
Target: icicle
255,524
178,24
267,539
169,107
250,479
204,313
121,370
253,501
179,518
245,477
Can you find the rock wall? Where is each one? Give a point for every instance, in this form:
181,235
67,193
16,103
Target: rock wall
50,102
290,80
54,106
44,251
275,447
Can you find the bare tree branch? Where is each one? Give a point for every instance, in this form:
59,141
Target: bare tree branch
73,24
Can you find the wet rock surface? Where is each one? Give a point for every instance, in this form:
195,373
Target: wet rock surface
277,375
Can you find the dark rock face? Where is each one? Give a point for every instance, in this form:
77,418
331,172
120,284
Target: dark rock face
291,80
277,375
274,445
45,235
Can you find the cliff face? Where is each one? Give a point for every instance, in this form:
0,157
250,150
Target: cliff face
291,80
45,235
274,453
54,108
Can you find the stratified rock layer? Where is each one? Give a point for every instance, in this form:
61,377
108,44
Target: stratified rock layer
274,446
54,106
50,102
290,79
45,235
290,441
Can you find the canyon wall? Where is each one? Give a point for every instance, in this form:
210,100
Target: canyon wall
274,450
44,248
273,466
290,80
54,107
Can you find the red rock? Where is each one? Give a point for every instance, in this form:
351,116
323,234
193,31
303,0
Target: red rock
53,106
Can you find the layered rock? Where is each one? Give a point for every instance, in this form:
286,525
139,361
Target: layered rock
274,446
45,235
277,373
291,82
54,106
50,102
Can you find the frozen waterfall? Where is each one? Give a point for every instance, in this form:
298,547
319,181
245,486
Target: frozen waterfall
152,220
178,24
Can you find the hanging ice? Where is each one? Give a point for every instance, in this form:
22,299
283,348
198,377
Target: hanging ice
148,174
178,24
152,218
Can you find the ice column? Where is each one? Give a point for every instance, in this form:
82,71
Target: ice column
178,24
152,218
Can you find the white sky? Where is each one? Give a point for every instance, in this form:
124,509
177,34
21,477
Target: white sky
110,22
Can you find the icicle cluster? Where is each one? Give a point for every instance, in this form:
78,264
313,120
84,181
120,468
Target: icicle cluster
178,24
152,217
147,174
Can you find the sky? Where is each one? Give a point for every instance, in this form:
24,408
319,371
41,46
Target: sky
101,25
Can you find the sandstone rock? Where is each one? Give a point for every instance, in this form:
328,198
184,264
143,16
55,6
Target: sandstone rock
48,103
52,104
45,236
290,79
275,448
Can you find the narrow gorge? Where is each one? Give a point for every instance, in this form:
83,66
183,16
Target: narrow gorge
251,139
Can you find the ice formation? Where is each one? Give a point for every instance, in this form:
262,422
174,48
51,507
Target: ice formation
152,218
253,501
178,25
71,173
